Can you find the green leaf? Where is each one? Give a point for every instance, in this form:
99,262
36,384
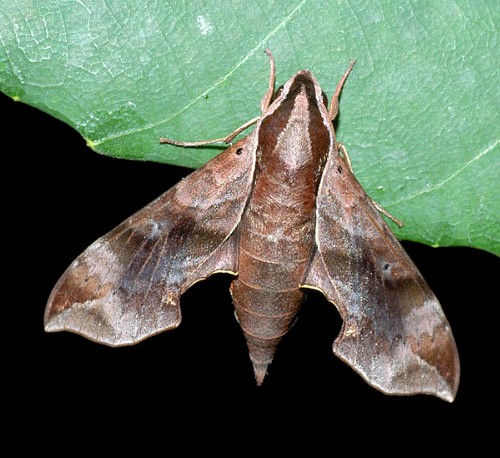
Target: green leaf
419,113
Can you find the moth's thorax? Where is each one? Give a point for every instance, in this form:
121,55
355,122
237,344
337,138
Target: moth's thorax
294,139
295,136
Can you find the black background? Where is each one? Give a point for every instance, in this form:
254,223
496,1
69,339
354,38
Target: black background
59,196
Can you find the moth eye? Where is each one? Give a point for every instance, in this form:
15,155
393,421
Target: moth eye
387,266
339,169
239,151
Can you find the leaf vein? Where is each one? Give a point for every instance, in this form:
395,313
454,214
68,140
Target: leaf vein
220,81
449,178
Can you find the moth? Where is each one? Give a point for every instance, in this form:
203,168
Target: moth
281,211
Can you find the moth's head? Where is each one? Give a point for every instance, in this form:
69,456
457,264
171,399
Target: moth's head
302,82
298,122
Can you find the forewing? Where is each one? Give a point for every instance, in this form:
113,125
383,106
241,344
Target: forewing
394,331
126,285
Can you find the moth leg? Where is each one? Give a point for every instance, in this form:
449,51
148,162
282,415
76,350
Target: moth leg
334,104
228,139
266,100
345,155
382,210
387,214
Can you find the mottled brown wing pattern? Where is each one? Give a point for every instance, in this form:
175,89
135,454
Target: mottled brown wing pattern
394,332
126,285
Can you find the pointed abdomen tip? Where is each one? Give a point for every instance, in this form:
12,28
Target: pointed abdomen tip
260,371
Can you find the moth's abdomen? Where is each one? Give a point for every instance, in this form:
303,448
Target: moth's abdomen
274,250
265,313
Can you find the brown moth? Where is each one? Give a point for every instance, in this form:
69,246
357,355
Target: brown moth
282,211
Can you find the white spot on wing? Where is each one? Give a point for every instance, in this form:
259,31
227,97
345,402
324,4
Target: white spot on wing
419,316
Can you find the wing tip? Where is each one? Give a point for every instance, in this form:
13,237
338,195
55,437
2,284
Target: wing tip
421,379
122,341
99,328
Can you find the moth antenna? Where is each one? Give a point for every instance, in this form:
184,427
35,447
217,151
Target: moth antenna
266,100
334,104
264,104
